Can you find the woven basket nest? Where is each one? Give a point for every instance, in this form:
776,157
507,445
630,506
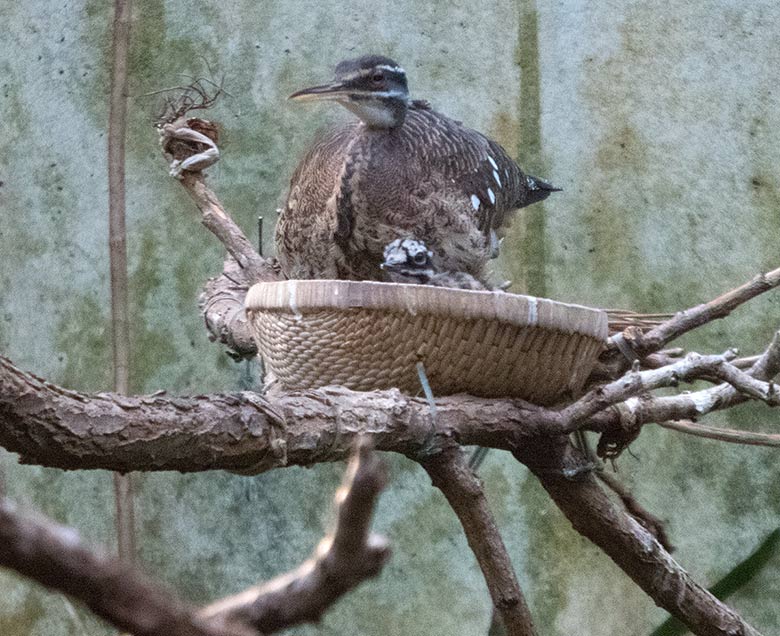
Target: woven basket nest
370,335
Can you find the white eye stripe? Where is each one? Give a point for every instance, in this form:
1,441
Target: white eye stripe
375,94
370,71
392,69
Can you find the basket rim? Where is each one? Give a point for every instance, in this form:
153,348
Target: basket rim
299,297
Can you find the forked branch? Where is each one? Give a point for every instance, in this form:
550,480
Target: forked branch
54,556
641,344
349,555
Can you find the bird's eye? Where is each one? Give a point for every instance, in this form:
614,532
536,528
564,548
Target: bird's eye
419,258
377,78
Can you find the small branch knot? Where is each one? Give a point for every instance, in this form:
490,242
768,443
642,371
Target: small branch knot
613,442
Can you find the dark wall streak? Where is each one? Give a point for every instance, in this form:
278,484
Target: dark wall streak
530,262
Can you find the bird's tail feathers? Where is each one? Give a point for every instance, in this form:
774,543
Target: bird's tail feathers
538,190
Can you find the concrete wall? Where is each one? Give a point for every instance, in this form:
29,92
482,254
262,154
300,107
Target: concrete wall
660,122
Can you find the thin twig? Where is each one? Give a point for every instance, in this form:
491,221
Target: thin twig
651,341
719,307
178,101
730,435
637,510
219,223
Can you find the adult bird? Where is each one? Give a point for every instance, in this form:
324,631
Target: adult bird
400,169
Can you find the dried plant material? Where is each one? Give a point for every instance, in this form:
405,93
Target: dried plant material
189,143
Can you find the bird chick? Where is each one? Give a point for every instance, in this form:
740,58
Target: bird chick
410,261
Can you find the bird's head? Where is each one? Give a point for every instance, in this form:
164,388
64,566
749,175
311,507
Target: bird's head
373,87
408,261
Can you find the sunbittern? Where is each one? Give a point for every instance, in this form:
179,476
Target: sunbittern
401,170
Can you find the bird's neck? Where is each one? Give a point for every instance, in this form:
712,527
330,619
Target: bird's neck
383,113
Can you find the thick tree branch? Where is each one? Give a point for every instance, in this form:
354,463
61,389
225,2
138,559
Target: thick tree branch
54,556
51,426
450,473
631,546
346,557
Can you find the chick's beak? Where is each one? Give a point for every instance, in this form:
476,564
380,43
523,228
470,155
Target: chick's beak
391,264
332,91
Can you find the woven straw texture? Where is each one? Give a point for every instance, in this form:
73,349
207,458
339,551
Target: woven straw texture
367,335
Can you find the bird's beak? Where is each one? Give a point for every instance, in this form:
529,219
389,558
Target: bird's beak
333,91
